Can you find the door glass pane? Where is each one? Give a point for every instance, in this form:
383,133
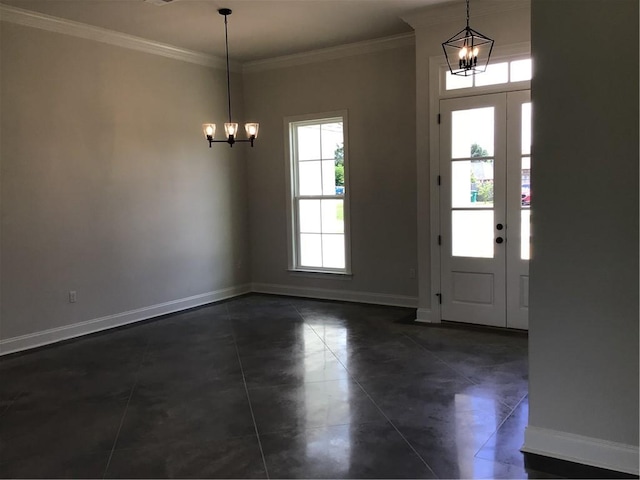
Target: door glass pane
333,251
309,178
472,133
471,183
521,70
310,216
526,128
525,234
309,142
310,250
526,181
332,216
494,74
472,233
332,139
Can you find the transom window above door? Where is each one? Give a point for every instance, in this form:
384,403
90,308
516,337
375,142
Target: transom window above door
498,73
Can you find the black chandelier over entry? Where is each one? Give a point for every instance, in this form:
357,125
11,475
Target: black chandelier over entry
468,51
230,128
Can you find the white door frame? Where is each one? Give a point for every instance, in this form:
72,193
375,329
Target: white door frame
437,92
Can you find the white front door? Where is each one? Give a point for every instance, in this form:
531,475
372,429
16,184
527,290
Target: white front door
484,197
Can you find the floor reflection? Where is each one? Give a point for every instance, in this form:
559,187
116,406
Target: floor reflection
265,385
324,446
474,417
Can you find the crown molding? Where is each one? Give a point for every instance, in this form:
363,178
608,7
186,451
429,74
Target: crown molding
50,23
332,53
454,12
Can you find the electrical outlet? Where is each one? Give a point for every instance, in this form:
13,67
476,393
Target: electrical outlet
412,273
73,296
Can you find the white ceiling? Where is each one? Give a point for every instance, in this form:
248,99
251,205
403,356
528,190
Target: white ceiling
258,29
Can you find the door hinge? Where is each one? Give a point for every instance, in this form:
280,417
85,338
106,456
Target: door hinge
439,180
439,119
439,295
439,240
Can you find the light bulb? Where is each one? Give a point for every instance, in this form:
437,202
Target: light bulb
231,129
251,129
209,130
463,53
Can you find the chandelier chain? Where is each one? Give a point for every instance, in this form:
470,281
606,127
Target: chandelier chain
467,13
226,42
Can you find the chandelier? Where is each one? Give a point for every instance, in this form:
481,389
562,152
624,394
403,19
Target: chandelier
468,51
230,128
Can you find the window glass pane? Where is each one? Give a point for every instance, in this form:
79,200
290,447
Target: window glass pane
309,178
308,142
494,74
472,233
332,216
453,82
472,133
526,128
521,70
310,250
328,177
331,139
526,181
525,234
472,183
309,216
333,251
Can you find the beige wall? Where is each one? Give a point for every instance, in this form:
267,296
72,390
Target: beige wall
378,90
108,187
584,269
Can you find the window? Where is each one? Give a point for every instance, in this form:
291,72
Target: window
496,73
318,196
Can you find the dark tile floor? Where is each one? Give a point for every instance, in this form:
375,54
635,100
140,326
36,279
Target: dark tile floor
269,387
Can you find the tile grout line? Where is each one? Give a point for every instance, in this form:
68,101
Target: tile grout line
124,414
395,427
370,398
456,370
512,409
246,389
500,426
440,359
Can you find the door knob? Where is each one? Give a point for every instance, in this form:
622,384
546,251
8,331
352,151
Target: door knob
499,226
499,240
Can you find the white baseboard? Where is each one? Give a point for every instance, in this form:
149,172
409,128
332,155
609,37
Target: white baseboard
579,449
53,335
425,315
328,294
45,337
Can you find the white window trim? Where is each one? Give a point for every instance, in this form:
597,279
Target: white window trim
292,229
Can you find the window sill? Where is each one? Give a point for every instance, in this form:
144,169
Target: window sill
298,272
